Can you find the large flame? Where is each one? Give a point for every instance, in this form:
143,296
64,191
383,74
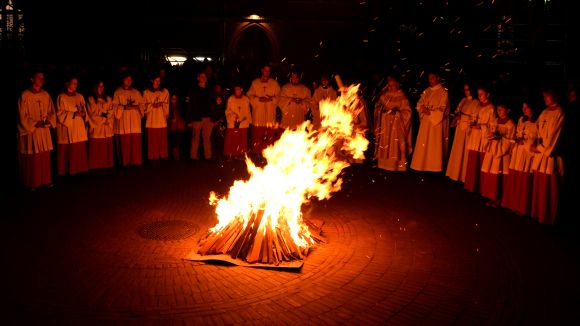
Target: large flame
302,164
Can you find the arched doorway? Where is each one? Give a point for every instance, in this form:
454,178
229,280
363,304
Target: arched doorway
252,45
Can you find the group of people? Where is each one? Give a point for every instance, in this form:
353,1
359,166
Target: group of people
519,166
514,165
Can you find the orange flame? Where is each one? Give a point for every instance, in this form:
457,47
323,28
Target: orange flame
302,164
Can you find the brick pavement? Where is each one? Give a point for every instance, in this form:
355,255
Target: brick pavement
403,249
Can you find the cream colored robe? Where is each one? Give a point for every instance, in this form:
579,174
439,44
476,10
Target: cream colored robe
32,108
522,158
293,113
485,116
431,146
101,117
128,121
319,95
498,151
457,164
549,125
238,109
264,113
71,129
156,117
393,131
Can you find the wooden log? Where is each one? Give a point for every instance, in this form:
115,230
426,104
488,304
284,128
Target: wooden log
242,245
254,253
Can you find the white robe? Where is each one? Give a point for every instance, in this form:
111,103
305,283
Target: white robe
238,109
264,113
70,128
498,150
32,108
457,163
431,145
101,117
478,138
549,125
128,121
319,95
156,117
522,158
293,113
393,131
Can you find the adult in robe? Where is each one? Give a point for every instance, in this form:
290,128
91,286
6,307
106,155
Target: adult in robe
431,144
129,110
464,114
477,141
393,128
264,94
324,91
101,120
36,115
294,102
71,131
239,118
496,161
519,180
156,101
547,165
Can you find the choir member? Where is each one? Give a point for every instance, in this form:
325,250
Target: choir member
239,118
101,120
294,102
477,141
323,92
519,180
393,128
264,94
431,144
464,115
547,165
71,131
36,115
129,110
156,111
496,161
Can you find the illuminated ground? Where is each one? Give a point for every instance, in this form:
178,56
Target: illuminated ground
403,249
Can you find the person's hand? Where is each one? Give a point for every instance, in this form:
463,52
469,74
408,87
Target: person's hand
40,124
79,114
534,149
297,101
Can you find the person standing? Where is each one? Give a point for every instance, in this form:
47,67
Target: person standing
71,131
477,141
323,92
393,128
238,118
129,110
36,115
101,120
156,112
264,95
199,117
294,102
431,144
547,166
464,114
176,126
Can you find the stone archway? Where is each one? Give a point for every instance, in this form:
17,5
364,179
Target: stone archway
253,43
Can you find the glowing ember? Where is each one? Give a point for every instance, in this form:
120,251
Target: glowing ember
260,220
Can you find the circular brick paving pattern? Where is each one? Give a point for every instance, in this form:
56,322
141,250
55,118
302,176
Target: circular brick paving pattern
390,258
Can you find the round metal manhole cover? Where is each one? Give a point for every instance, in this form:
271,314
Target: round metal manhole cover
168,230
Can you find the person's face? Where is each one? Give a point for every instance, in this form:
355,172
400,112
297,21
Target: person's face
294,79
127,81
173,99
502,112
433,79
549,99
527,110
572,96
324,82
238,91
38,79
156,82
466,90
266,72
202,78
482,95
100,88
392,85
72,85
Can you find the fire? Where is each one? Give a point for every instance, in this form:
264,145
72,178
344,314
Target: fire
302,164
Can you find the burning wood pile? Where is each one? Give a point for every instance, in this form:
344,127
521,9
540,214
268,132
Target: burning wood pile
260,221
